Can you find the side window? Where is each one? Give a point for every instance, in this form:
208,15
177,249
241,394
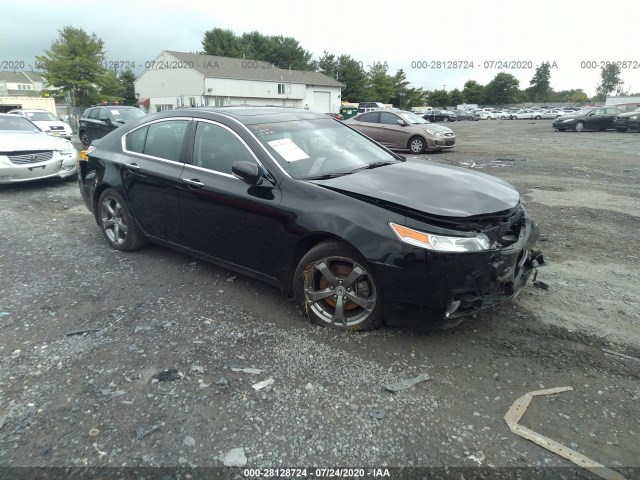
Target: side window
165,139
135,140
599,111
216,148
93,113
388,118
371,117
103,115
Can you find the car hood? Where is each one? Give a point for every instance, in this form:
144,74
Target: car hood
431,188
433,126
28,141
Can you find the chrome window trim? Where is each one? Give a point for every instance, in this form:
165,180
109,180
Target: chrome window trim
123,140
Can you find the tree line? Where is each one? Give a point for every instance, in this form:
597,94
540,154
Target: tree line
74,64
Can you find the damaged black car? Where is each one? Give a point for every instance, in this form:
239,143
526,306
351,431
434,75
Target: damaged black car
355,233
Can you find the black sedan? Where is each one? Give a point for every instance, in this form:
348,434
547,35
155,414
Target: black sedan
440,116
591,118
355,233
628,120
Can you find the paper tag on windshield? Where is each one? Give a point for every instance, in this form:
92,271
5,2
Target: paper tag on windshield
288,149
115,112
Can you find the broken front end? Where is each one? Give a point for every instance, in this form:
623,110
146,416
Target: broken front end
445,286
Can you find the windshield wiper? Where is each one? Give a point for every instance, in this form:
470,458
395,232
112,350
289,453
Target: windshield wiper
373,165
324,176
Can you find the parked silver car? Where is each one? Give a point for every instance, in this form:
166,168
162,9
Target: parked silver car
28,153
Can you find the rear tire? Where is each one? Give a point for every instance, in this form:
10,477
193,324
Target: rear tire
117,224
334,286
85,140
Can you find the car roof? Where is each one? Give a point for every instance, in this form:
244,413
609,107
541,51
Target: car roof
248,115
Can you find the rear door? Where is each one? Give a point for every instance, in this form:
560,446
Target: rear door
153,163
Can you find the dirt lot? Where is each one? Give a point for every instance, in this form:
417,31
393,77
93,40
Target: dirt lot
155,382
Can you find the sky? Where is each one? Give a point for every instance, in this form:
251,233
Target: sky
431,41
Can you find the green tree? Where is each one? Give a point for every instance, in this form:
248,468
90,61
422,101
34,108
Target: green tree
540,89
609,81
473,92
73,63
353,76
456,97
380,86
283,52
438,98
222,43
502,90
111,88
127,78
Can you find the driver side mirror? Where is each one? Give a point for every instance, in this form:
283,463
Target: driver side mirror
401,122
248,172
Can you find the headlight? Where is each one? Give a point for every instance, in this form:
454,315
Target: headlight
434,132
567,120
633,117
67,149
440,243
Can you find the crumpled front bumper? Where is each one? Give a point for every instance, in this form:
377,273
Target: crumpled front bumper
444,287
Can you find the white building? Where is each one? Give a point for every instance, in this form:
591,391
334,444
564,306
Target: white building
177,79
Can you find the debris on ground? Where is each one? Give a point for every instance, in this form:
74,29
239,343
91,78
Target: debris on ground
404,384
142,432
168,375
376,413
618,354
252,371
264,383
518,409
235,458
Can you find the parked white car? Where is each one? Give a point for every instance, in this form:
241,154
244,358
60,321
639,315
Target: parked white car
552,113
522,114
46,121
28,153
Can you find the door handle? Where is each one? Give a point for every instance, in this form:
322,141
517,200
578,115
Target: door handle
194,182
133,167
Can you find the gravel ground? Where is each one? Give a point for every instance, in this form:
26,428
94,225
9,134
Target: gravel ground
173,350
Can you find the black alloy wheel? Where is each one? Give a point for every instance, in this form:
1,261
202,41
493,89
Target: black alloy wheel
118,226
336,289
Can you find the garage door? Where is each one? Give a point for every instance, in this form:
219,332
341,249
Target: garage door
321,102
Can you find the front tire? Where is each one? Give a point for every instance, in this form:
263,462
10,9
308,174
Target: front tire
445,119
336,289
117,224
417,145
579,127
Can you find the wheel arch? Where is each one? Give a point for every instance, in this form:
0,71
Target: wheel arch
301,248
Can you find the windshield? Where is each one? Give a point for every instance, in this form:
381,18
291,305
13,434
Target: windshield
126,113
315,148
15,123
412,118
41,117
584,111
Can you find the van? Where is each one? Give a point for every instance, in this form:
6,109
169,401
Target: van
364,107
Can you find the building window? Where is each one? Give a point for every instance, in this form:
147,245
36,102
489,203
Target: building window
164,107
284,88
220,102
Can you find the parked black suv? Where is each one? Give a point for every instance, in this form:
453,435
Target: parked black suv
97,121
